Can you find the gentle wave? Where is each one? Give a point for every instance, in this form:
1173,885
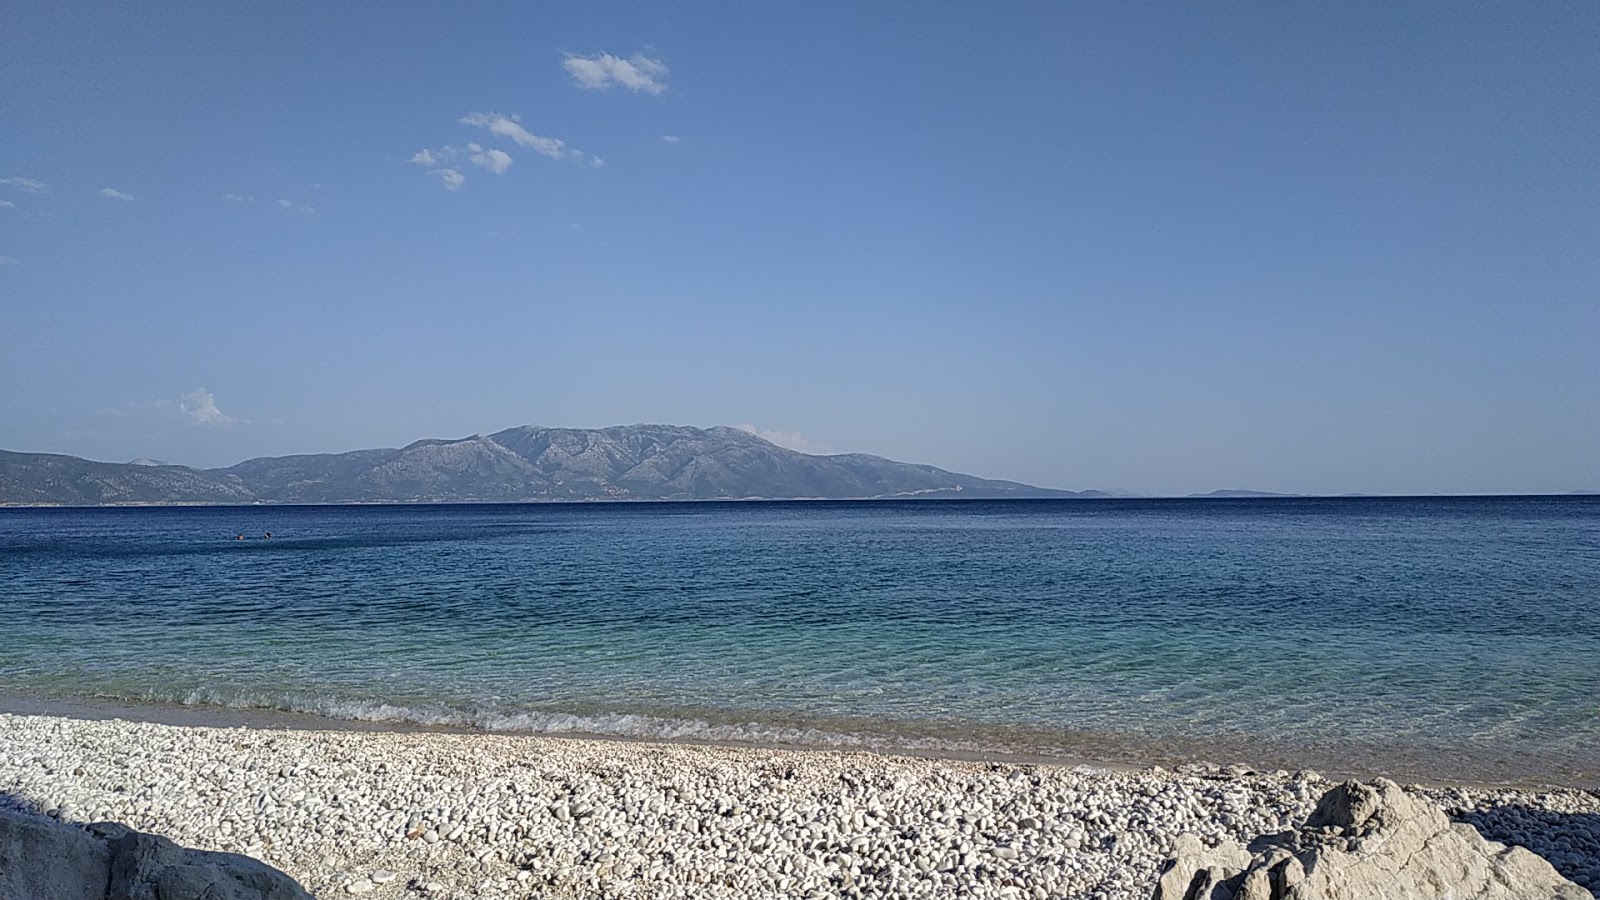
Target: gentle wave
640,726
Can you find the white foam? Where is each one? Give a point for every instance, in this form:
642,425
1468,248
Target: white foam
555,723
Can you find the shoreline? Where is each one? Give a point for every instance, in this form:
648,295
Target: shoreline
429,813
1111,753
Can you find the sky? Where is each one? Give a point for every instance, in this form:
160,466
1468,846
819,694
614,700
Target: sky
1156,248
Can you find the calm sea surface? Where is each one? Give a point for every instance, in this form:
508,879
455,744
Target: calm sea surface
1455,637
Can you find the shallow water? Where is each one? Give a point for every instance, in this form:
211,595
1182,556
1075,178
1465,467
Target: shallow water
1411,632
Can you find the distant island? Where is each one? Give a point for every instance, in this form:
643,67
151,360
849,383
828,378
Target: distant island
1237,494
524,464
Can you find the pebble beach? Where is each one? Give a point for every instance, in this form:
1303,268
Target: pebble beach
426,814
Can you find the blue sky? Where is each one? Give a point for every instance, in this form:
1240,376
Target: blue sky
1152,247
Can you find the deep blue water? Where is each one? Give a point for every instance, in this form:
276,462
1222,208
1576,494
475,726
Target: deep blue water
1432,627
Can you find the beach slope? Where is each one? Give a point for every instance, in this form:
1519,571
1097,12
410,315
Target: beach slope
414,814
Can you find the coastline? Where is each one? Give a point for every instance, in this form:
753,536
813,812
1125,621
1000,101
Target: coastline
447,813
1425,767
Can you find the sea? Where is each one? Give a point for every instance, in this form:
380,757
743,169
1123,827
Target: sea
1439,638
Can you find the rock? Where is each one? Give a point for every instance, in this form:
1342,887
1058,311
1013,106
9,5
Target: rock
1194,864
383,876
1364,841
107,861
359,886
39,858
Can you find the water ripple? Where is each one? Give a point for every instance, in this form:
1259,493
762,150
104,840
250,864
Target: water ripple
1437,623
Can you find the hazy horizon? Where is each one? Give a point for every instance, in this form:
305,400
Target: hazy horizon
1162,250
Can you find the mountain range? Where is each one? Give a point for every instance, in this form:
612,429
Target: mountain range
523,464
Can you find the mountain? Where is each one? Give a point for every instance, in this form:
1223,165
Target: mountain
70,481
528,463
1237,494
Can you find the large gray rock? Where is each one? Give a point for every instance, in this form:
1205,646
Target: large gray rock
1365,842
45,860
41,860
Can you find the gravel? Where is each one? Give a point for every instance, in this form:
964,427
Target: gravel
419,814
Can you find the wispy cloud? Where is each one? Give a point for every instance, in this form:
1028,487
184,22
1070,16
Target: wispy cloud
238,198
6,204
511,127
201,406
447,162
442,162
670,139
792,440
496,161
293,207
25,184
603,71
111,193
7,262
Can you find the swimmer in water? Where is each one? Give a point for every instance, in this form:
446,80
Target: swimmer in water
268,536
238,537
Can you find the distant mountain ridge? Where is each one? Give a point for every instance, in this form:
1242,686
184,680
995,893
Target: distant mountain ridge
522,464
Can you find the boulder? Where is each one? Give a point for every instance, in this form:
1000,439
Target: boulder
41,859
1364,842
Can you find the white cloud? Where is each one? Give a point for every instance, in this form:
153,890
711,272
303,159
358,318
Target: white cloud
6,204
670,139
293,207
603,71
113,194
201,406
238,198
440,162
447,161
26,184
792,440
597,162
7,261
511,127
496,161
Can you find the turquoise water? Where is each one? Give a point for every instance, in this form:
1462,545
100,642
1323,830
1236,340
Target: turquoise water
1445,632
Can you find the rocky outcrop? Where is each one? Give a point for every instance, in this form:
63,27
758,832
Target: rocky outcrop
41,859
1364,842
